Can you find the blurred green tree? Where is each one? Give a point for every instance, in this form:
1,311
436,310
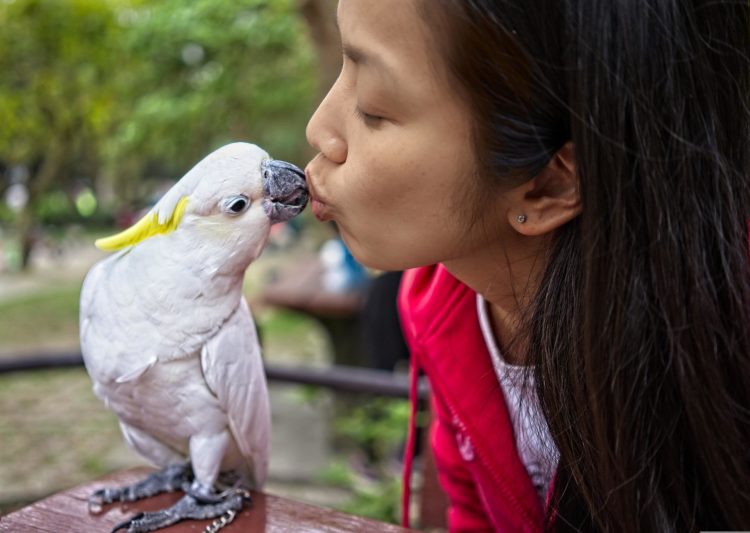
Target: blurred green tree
124,90
320,16
55,92
203,73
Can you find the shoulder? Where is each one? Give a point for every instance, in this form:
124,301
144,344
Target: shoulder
426,296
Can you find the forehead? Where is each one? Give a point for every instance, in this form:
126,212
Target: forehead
389,35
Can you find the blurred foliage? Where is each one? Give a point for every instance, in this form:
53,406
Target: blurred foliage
376,428
6,214
199,74
57,60
109,94
151,84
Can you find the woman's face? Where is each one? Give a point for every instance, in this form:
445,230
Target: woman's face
396,168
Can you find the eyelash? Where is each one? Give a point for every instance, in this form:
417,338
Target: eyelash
368,119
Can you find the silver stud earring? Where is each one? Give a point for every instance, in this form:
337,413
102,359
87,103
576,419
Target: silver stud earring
521,219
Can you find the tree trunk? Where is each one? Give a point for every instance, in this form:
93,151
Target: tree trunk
320,16
39,184
25,228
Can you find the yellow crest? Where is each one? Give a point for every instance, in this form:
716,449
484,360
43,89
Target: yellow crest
146,227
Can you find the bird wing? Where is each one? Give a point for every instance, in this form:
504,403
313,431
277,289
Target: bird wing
233,370
108,317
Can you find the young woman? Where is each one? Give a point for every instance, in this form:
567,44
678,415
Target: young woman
571,178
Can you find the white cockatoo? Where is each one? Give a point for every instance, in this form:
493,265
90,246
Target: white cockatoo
168,339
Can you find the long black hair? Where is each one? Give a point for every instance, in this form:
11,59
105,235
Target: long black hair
640,329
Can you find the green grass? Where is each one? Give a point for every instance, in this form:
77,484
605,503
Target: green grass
56,434
42,317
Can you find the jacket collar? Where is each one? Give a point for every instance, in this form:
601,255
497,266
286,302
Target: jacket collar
459,366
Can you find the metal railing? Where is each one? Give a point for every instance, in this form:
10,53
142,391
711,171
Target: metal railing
337,378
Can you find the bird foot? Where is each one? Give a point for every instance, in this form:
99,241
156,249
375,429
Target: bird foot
187,508
169,479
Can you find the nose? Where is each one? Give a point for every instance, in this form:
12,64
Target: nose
325,131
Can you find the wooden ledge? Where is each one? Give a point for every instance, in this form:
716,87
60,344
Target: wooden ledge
68,511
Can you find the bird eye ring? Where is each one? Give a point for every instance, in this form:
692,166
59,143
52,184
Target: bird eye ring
234,205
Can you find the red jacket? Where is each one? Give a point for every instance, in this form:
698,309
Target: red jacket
471,434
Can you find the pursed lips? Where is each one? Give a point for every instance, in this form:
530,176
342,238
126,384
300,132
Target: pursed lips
318,205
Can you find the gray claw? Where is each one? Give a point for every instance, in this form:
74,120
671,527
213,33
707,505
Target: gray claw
168,479
127,523
187,508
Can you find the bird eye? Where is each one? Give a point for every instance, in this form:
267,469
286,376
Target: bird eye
236,204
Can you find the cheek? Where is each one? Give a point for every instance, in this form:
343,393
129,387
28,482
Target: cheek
413,241
401,216
403,196
390,191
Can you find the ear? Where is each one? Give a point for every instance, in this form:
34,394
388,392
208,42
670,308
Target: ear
550,199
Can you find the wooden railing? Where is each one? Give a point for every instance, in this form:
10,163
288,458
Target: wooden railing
337,378
68,511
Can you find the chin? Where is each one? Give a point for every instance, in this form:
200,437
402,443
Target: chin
364,255
389,256
379,263
379,259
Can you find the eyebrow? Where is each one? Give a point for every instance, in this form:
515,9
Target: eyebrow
358,56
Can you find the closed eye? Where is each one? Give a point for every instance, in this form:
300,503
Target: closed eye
369,120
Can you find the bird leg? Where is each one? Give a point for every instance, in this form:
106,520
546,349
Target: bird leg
169,479
192,506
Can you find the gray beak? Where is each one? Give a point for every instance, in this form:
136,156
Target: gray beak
284,188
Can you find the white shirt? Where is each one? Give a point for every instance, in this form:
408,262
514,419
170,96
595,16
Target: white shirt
533,441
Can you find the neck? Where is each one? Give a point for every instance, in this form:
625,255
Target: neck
507,277
189,266
217,253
